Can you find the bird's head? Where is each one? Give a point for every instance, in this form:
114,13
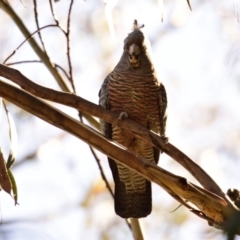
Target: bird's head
134,44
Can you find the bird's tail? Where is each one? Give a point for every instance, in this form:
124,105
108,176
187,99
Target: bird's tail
128,202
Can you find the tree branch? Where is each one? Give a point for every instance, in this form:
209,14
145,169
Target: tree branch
214,208
170,182
85,106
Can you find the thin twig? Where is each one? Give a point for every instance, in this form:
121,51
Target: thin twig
25,61
68,45
38,61
99,164
55,18
29,37
74,89
37,23
112,117
41,54
62,69
102,173
5,6
136,229
134,226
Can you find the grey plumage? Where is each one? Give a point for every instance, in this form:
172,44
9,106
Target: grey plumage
132,87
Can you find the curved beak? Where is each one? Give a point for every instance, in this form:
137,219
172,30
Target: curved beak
134,53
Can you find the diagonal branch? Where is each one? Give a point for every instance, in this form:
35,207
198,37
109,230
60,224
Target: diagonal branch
87,107
214,209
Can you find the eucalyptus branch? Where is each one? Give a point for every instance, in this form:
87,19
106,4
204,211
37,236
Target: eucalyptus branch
85,106
216,210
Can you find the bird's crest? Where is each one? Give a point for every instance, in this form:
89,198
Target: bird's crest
136,26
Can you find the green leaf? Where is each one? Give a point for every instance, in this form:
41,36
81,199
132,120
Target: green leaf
14,186
4,178
12,136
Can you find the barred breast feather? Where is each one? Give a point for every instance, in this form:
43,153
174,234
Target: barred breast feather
132,87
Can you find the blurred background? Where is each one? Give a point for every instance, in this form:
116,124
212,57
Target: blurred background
196,54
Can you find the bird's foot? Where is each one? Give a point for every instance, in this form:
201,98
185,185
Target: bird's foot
122,115
165,139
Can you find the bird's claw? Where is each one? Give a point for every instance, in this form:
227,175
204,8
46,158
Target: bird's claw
165,139
122,115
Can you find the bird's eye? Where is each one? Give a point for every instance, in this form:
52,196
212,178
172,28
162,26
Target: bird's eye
130,56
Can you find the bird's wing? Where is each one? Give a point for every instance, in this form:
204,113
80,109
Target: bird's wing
162,118
107,127
103,101
162,109
124,201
